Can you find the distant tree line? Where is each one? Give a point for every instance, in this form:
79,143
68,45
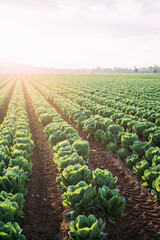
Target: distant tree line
151,69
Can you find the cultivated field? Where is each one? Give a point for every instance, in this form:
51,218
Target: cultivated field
77,146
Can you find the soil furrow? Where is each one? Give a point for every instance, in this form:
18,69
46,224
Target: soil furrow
138,222
43,207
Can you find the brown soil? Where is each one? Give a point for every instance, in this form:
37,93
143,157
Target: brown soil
43,207
142,215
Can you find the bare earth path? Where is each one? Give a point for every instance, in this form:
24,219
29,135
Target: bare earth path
142,215
43,208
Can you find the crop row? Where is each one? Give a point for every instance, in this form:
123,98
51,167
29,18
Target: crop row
120,134
128,97
82,189
4,93
15,149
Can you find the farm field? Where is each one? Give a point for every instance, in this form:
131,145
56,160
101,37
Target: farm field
75,145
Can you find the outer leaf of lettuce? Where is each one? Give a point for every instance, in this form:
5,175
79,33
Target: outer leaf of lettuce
103,178
110,203
87,228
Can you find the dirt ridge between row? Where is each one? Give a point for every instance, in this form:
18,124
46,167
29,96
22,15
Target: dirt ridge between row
142,215
43,207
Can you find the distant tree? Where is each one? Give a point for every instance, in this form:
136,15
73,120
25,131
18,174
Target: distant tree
135,69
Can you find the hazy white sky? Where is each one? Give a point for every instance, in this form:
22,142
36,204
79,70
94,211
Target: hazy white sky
80,33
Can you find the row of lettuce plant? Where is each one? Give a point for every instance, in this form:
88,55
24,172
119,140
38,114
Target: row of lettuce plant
131,123
4,91
114,132
125,100
15,149
4,80
83,191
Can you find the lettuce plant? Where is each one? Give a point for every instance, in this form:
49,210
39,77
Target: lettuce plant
2,168
115,129
64,151
107,137
14,181
73,174
65,161
87,228
110,203
79,197
150,153
112,146
150,175
99,135
122,153
90,125
156,188
82,148
140,167
102,178
11,231
140,148
18,198
22,163
10,211
155,160
45,118
155,138
128,139
132,160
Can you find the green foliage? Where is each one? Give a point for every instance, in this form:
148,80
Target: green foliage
79,197
2,168
157,122
102,178
140,127
11,231
110,203
73,174
14,181
45,118
155,160
140,167
150,153
148,131
73,159
90,126
22,163
156,188
155,138
132,160
64,152
99,135
124,122
107,137
128,139
115,129
18,198
122,153
150,175
112,146
82,148
140,148
87,228
10,211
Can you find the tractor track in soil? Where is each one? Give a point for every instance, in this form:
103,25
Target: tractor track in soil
3,110
142,215
43,207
